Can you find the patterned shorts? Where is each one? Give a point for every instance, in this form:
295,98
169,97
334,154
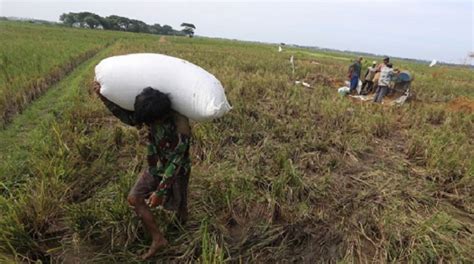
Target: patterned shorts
145,185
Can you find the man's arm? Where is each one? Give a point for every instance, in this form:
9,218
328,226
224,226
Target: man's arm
379,68
367,73
173,165
392,76
182,147
171,168
126,116
351,69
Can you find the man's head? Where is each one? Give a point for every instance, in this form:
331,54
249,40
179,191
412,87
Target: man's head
386,60
151,105
374,63
360,59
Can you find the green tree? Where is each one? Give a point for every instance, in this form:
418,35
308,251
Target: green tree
91,21
68,19
188,29
138,26
166,30
104,23
155,29
189,25
81,18
113,22
118,22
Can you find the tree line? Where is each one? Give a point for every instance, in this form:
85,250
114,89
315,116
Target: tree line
119,23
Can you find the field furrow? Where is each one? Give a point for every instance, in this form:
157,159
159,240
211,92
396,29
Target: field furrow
13,103
31,61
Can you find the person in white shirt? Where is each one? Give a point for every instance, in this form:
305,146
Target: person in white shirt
368,83
386,75
379,67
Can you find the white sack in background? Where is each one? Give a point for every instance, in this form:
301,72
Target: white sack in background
193,91
358,88
343,90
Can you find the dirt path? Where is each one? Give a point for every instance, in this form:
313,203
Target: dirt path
15,144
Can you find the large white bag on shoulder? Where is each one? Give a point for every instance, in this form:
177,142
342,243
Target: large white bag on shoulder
193,91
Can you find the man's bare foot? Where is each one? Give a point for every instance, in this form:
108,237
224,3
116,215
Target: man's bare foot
155,246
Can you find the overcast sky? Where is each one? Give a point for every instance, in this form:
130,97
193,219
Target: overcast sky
423,29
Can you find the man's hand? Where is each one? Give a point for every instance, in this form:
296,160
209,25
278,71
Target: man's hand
96,87
155,200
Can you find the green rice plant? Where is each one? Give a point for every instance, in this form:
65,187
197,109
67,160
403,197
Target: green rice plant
33,57
211,251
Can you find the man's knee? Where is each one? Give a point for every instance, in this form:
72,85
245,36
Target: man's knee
135,200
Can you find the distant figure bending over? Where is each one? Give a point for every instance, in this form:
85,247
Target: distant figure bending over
386,76
165,181
354,74
368,83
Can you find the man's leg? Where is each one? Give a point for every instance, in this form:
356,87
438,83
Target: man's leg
370,86
383,92
144,213
354,83
365,87
183,206
144,186
377,92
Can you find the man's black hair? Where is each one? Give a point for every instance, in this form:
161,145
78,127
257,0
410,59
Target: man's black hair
151,105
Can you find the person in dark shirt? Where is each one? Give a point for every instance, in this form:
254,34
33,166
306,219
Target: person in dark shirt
165,181
354,74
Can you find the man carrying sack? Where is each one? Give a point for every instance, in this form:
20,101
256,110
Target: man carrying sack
165,181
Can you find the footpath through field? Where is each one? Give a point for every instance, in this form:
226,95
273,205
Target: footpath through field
36,57
32,150
26,130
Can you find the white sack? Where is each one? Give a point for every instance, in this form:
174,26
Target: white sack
193,91
343,90
358,88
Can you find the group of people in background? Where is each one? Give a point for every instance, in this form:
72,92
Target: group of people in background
377,78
